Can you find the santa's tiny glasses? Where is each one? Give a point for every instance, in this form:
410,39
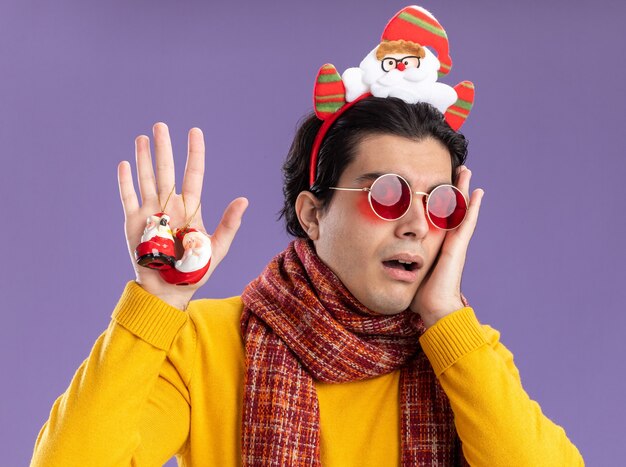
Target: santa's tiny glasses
392,63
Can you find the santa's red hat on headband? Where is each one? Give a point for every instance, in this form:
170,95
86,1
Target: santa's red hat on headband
418,25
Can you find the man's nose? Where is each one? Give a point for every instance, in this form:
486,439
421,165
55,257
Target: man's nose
401,66
415,222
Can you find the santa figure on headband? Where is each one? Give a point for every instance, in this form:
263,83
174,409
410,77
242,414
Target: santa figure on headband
403,65
402,69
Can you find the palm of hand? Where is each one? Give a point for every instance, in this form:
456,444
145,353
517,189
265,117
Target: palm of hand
158,194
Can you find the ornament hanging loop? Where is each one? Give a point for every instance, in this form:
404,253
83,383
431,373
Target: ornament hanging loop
168,198
188,223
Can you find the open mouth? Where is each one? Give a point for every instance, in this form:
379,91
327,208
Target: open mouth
398,264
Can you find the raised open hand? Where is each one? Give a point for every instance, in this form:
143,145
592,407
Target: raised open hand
158,194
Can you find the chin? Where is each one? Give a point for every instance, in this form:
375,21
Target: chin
391,306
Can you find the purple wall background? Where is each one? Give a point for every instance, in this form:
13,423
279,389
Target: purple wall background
79,81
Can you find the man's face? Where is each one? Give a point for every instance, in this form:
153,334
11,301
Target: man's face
362,249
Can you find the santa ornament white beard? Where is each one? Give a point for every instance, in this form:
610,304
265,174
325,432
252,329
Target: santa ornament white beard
411,85
197,252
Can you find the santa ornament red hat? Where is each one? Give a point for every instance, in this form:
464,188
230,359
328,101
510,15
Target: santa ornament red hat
405,69
418,25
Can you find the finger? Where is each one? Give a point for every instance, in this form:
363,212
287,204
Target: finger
164,158
457,241
471,219
463,180
459,169
194,170
145,172
228,226
127,189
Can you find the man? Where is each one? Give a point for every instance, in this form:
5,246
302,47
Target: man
353,347
163,381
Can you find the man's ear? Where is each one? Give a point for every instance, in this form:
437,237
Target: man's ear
308,210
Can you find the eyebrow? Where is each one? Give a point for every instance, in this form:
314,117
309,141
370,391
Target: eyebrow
368,177
371,176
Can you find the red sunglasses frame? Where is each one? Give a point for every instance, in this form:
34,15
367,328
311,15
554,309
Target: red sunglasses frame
411,193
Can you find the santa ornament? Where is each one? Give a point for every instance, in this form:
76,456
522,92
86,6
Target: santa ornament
157,251
402,65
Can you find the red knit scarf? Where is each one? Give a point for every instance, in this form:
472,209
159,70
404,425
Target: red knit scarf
300,324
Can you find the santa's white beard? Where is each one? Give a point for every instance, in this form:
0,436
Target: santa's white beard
195,259
411,85
397,84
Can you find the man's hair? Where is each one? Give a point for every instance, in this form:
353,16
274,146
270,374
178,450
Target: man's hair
371,116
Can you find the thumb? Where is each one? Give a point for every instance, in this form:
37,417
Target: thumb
229,225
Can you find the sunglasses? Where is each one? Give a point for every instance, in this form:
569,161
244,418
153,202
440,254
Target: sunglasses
390,198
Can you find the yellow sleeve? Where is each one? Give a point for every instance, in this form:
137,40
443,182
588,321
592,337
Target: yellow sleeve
497,422
128,403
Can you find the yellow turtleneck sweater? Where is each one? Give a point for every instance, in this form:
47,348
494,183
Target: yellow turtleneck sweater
161,382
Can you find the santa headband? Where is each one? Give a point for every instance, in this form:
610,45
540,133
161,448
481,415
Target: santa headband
401,66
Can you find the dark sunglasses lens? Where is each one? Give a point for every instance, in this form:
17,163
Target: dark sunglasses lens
390,197
446,207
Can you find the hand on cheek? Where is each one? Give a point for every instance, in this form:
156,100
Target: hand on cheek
439,293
